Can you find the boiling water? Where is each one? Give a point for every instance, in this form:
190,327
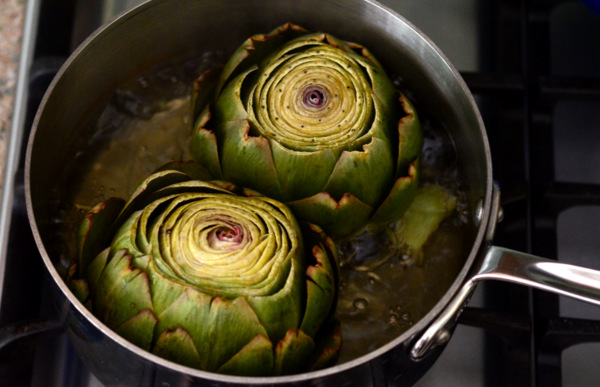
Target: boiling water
146,124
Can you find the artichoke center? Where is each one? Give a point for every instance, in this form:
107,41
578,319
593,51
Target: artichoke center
226,238
315,97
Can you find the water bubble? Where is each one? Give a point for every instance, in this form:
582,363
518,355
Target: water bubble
361,303
405,316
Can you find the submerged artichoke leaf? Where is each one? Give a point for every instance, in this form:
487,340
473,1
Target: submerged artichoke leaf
292,351
329,345
254,359
431,205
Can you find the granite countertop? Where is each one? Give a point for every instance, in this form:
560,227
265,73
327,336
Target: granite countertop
11,31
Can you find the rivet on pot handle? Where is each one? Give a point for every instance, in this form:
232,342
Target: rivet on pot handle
512,266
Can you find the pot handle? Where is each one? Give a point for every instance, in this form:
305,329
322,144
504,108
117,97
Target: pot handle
508,265
541,273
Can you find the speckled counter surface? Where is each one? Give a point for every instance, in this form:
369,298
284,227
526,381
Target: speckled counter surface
11,31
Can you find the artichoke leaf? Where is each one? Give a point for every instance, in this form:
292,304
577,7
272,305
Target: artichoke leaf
177,345
320,292
400,197
329,345
191,168
139,329
140,197
283,309
247,160
204,145
302,173
92,232
365,174
431,205
231,325
291,352
410,140
203,91
340,218
95,269
79,287
121,291
254,359
255,48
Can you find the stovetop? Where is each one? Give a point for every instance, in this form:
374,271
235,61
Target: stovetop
534,68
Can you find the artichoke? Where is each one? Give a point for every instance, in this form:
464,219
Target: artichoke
314,122
211,276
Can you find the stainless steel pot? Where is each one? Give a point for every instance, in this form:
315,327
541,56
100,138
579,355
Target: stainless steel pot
161,29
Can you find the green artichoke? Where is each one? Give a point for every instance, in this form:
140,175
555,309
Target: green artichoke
211,276
312,121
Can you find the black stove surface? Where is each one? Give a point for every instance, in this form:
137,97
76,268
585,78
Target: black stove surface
534,68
